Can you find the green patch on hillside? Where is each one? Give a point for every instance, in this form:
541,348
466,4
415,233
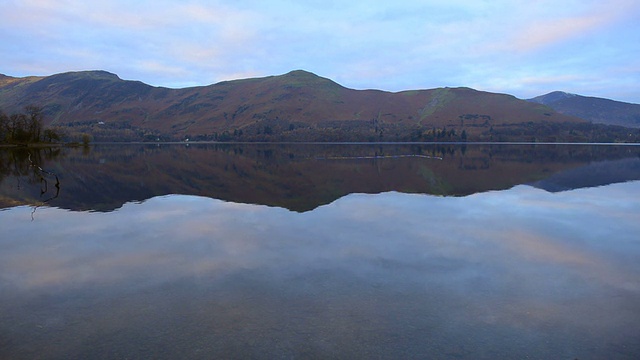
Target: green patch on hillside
440,97
301,78
411,92
544,109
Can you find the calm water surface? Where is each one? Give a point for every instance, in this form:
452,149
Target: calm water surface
264,251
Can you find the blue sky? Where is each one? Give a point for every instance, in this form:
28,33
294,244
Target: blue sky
525,48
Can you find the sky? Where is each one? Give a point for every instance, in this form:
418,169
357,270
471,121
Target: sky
524,48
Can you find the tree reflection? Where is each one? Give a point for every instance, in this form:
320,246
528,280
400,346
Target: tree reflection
27,167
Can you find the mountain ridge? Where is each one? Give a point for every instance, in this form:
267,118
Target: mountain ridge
295,106
594,109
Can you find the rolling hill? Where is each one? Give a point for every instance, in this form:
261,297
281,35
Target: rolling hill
297,106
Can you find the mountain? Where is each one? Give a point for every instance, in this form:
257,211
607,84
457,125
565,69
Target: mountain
297,106
597,110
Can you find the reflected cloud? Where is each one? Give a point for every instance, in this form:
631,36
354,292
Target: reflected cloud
498,265
174,236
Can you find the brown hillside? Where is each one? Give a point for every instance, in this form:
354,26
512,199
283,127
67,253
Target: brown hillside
293,106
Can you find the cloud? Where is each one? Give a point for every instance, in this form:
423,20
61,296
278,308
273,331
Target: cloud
548,30
361,44
551,32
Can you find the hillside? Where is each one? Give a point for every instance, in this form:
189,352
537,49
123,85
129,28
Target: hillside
597,110
297,106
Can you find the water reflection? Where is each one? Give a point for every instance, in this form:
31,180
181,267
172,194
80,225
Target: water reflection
509,274
303,177
21,168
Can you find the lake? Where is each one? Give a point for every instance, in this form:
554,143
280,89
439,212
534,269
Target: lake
274,251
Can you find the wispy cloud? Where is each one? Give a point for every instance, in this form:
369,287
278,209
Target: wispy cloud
549,29
364,44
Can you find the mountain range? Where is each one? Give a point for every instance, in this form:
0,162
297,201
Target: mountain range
297,106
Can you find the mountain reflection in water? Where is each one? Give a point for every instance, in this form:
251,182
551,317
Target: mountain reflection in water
184,260
300,177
